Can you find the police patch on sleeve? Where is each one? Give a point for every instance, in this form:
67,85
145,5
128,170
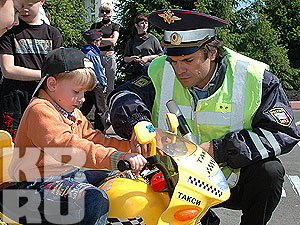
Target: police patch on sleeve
281,116
141,82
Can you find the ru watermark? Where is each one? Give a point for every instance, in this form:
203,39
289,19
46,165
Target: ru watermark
51,189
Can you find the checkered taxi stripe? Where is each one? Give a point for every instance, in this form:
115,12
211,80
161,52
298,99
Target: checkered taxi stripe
118,221
210,166
204,185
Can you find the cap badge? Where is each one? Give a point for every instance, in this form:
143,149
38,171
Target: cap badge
175,38
169,16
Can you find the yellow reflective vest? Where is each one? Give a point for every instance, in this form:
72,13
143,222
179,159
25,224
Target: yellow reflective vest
231,108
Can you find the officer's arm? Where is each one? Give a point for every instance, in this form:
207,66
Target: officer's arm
129,104
274,130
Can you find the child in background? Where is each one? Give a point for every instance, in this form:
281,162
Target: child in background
51,128
97,96
22,51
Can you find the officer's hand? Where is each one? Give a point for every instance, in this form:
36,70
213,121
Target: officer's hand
136,147
208,147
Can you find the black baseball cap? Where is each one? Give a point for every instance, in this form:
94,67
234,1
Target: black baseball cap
185,31
62,60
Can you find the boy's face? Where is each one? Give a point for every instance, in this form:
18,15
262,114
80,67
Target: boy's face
30,11
66,93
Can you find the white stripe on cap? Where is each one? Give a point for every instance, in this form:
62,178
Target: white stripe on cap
39,85
190,35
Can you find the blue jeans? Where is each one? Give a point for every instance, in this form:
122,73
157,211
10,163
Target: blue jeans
72,198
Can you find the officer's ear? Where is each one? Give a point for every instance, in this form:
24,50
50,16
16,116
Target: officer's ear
213,54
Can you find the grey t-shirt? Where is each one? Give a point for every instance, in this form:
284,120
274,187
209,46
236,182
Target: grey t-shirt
142,46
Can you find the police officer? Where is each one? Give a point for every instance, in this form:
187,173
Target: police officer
235,107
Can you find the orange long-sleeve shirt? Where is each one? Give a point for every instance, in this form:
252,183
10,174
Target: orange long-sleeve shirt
44,135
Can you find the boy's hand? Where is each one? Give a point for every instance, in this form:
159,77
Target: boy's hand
137,161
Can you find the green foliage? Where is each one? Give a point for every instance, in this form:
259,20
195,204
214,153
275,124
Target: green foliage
259,39
71,18
266,30
285,17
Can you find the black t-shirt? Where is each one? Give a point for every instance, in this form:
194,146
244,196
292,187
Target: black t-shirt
29,44
107,32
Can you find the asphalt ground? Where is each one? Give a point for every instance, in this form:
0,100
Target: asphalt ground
288,210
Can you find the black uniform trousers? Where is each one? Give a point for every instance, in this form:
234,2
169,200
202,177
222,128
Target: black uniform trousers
258,191
98,98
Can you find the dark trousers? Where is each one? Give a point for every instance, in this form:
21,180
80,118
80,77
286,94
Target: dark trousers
110,66
98,98
258,191
14,99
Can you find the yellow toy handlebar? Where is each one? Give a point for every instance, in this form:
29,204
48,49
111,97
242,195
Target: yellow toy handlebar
145,133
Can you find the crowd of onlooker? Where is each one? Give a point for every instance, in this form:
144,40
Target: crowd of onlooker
24,47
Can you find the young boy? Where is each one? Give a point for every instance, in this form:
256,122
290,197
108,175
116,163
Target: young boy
22,51
55,139
97,96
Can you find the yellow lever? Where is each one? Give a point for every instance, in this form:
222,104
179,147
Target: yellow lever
145,133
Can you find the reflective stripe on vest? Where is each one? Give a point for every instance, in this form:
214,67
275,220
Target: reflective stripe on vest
166,94
208,117
215,123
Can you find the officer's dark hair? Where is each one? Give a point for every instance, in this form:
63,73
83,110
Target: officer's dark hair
215,44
